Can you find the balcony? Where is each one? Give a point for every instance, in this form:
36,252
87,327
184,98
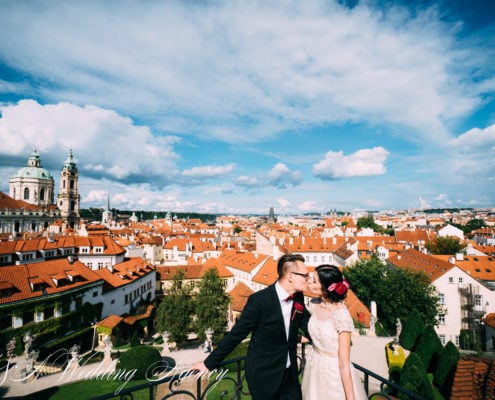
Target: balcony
234,385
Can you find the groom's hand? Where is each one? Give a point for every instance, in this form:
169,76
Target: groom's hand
200,367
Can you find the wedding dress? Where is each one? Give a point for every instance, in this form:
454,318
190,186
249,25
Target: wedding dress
321,379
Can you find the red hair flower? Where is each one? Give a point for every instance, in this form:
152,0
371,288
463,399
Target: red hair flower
298,308
339,287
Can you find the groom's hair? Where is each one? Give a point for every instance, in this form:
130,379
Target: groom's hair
286,261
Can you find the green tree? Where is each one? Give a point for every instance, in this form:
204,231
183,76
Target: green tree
444,245
212,305
368,222
174,313
396,292
413,378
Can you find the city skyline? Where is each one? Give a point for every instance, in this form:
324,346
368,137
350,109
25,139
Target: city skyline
236,107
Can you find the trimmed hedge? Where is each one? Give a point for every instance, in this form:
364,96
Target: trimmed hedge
446,367
414,378
428,348
413,327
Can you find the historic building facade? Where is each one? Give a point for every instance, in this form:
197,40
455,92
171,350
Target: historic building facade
30,205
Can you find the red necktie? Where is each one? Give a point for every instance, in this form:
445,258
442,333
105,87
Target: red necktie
291,297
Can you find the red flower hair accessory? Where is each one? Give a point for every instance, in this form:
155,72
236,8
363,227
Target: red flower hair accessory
339,287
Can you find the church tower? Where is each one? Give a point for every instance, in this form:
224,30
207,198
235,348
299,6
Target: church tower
68,199
33,184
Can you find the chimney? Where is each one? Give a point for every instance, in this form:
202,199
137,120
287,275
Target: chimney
452,260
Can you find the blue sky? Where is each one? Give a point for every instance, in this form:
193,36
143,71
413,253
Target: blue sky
238,106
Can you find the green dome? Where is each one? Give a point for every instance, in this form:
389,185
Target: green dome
33,173
33,169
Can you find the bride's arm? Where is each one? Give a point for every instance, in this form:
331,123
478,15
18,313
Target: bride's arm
345,364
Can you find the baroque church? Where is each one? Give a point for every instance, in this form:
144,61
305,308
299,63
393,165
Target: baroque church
30,205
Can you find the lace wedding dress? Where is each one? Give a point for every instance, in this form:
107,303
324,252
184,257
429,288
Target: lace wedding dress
321,379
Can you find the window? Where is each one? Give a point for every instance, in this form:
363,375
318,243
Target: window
457,341
477,300
42,194
460,279
26,194
441,298
442,339
451,280
441,319
95,293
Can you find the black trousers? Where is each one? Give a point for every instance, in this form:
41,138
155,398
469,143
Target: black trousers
289,389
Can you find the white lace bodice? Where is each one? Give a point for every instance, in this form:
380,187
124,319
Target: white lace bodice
325,325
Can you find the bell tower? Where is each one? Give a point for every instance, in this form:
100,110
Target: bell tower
68,199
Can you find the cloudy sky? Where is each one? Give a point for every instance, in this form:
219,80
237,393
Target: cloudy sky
238,106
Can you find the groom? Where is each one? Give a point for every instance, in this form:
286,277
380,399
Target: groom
273,316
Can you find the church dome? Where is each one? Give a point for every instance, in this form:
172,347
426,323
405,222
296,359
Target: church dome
33,169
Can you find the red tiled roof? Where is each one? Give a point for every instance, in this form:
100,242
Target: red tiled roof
474,379
21,276
239,295
418,261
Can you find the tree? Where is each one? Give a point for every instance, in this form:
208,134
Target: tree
396,292
368,222
174,313
211,306
444,245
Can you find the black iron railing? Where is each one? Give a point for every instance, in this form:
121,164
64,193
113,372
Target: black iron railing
174,386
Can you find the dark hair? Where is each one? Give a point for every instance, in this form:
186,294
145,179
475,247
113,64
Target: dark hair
286,261
329,274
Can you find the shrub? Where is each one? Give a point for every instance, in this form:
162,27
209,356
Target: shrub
445,371
413,375
141,358
135,339
413,327
428,348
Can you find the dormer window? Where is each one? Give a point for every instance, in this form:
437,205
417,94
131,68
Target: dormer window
37,284
98,249
6,289
84,250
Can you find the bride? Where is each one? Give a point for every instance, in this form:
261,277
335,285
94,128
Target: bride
329,373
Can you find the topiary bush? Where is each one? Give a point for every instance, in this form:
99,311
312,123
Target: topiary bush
446,367
142,358
414,378
413,327
428,347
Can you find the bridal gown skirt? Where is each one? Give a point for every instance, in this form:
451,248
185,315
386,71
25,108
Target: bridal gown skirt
321,379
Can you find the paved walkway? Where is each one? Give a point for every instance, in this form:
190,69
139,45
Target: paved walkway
369,352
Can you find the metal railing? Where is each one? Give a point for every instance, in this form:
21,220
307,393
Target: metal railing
172,386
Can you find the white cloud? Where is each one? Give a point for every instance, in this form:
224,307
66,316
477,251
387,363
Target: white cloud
365,162
308,206
247,181
263,65
283,203
208,172
109,144
281,176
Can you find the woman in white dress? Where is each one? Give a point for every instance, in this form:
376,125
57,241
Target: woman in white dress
329,374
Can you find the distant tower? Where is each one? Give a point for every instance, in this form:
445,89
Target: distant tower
33,184
68,198
271,216
106,216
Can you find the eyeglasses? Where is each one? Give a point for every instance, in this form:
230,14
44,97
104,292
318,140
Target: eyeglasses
305,276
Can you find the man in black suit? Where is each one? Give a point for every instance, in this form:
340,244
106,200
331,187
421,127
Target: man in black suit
273,316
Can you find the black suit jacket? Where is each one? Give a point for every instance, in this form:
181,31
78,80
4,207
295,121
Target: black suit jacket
267,352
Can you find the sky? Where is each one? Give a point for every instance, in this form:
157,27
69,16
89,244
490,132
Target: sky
233,107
